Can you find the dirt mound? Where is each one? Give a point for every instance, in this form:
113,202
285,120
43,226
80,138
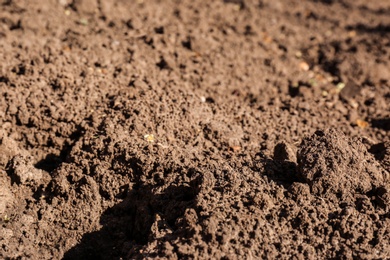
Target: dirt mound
333,165
188,129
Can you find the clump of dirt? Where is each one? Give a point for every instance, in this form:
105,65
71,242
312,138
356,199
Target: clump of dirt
194,129
335,166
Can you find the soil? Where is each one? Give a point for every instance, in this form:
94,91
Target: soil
195,129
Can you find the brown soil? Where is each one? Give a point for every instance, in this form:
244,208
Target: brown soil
195,129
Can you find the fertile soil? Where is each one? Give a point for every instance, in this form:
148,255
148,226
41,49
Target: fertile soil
195,129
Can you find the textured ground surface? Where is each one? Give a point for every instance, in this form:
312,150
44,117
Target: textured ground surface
188,129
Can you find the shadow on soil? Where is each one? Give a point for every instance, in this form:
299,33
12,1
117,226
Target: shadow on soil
382,123
52,161
127,225
282,173
381,29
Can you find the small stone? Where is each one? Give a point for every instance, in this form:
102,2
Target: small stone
304,66
361,123
149,138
